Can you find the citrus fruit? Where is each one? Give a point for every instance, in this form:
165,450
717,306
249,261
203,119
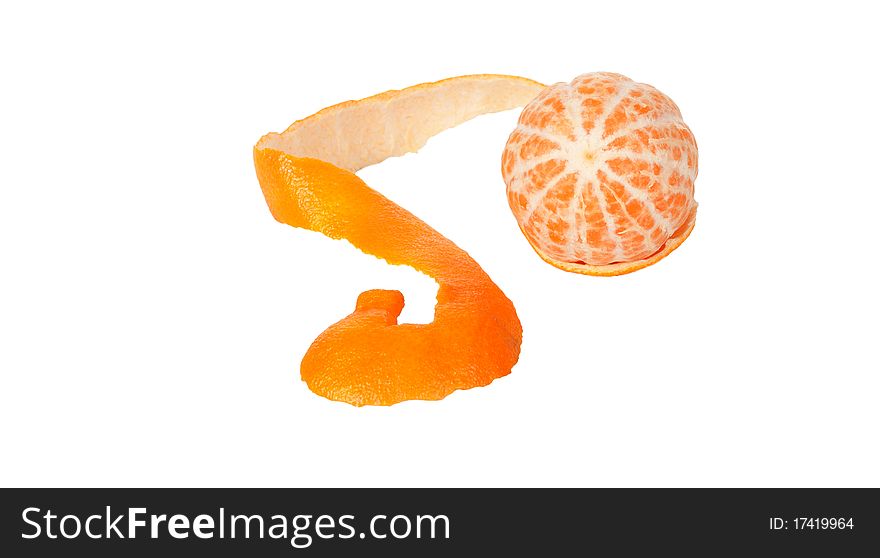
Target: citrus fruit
600,175
307,177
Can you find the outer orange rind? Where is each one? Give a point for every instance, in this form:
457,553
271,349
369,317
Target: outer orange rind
307,176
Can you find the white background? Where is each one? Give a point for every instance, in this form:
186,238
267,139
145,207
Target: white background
153,314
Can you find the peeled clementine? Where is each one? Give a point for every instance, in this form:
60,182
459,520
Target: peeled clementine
307,177
600,175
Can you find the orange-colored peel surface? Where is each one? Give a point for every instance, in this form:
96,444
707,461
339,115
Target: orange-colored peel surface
307,176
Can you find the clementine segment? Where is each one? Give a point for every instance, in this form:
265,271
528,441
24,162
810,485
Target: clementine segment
307,177
600,175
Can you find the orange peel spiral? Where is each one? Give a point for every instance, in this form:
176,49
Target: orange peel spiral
307,177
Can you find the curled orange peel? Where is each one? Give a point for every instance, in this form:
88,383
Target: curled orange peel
307,177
